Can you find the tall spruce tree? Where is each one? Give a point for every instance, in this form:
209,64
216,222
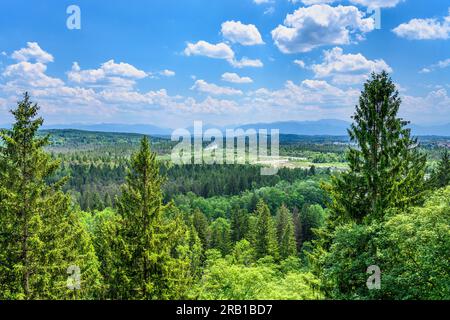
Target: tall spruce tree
298,228
385,170
220,235
195,251
40,235
285,233
201,225
386,175
150,266
441,177
239,224
265,240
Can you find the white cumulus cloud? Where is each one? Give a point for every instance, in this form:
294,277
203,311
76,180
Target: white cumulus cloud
440,65
211,88
244,34
167,73
377,3
235,78
347,68
431,107
246,62
32,52
318,25
122,69
311,2
366,3
300,63
110,73
425,29
203,48
220,51
26,74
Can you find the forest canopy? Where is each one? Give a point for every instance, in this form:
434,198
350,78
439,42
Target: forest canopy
121,222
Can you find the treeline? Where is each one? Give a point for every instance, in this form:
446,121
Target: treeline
95,182
109,144
222,180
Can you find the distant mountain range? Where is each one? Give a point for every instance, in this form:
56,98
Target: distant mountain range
308,128
326,127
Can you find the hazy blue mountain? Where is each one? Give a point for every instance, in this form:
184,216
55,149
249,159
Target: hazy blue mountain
337,128
326,127
439,130
321,127
312,128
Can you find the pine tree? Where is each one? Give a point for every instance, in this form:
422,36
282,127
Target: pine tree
285,233
441,177
201,225
150,266
312,218
105,227
195,251
253,203
80,253
220,235
265,233
386,170
40,235
297,228
108,201
239,224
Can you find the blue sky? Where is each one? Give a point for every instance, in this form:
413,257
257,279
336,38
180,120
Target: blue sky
169,63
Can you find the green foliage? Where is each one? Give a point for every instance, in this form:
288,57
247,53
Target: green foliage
243,253
386,170
151,267
292,195
342,268
293,286
201,225
239,224
225,281
214,180
411,247
376,213
227,278
207,232
285,233
104,227
312,217
265,240
416,251
194,251
441,178
220,235
298,228
40,235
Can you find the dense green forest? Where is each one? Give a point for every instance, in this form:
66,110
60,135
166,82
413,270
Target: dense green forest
107,216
